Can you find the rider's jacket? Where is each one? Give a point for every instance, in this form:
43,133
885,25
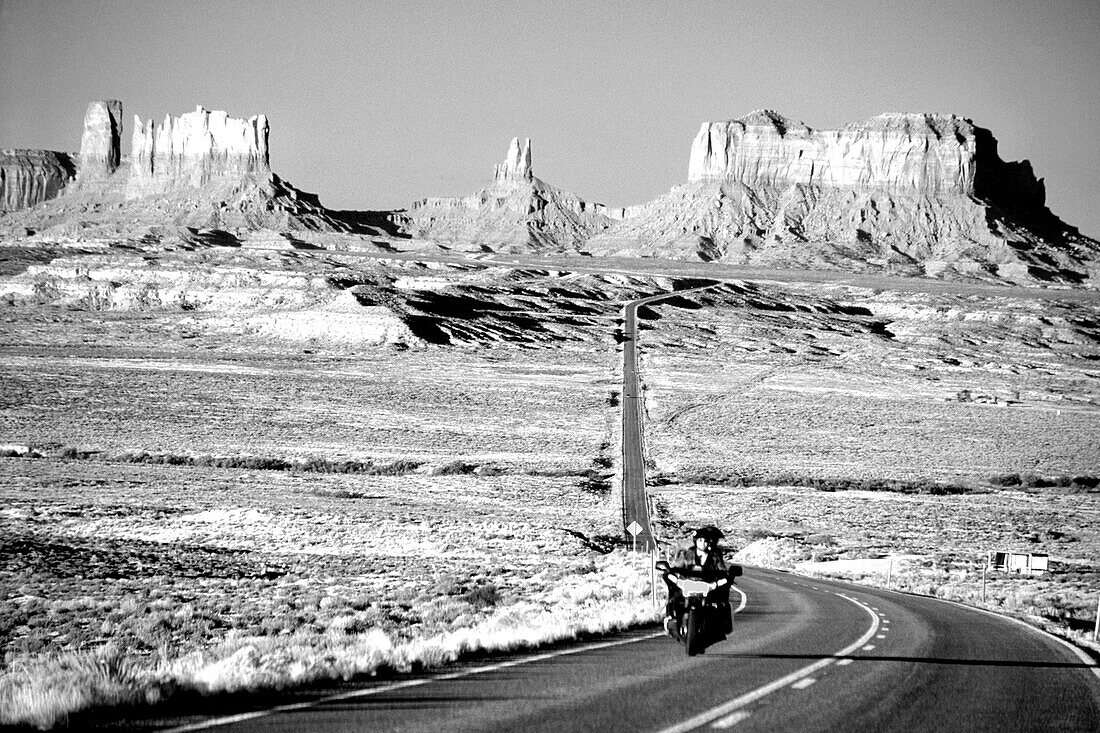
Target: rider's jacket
689,559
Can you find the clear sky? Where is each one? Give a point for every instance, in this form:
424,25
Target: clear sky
375,104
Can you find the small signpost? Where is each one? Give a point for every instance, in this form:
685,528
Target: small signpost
634,529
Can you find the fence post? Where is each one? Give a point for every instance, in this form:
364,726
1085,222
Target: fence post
1096,629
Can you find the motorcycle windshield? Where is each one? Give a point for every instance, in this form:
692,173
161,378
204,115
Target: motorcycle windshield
692,587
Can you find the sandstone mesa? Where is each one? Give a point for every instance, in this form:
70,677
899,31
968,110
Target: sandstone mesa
908,194
918,193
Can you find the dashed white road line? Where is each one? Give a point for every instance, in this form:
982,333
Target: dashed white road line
803,683
721,712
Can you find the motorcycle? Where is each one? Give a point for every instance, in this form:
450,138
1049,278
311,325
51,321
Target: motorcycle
699,620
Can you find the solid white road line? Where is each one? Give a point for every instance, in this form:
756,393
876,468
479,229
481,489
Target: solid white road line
229,719
744,600
735,704
731,720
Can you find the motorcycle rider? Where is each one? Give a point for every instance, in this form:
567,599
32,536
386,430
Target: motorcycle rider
702,557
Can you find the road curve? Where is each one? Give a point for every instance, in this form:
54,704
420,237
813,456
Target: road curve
805,655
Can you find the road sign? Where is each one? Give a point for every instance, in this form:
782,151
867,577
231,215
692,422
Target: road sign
634,529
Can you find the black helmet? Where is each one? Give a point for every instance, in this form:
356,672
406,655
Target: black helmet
710,532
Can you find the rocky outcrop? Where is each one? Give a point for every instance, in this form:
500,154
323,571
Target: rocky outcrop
100,145
516,212
911,194
29,177
202,170
194,149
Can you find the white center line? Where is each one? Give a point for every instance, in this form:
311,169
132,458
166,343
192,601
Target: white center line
844,662
734,705
803,683
869,647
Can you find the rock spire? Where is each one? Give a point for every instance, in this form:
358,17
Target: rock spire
100,145
518,212
517,165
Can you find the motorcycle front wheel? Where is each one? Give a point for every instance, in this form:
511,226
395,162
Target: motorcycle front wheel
693,638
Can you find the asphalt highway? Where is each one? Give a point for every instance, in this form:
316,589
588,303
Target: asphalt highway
804,655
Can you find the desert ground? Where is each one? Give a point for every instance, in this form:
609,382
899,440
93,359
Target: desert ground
233,468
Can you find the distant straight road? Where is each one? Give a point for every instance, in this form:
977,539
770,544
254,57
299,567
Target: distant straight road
635,498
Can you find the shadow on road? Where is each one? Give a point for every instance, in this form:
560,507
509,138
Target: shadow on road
915,660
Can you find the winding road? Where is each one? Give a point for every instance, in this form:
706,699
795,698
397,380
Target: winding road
804,655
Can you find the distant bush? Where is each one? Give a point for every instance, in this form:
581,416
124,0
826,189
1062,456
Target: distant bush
485,595
563,472
400,467
718,478
1032,481
454,468
312,464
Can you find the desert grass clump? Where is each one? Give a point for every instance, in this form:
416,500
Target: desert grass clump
296,646
45,691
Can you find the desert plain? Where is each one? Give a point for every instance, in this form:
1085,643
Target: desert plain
235,468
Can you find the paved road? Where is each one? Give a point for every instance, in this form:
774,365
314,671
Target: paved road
804,655
635,498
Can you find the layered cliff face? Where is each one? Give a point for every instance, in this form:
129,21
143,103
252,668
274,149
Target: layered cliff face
914,194
194,149
925,153
29,177
517,211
